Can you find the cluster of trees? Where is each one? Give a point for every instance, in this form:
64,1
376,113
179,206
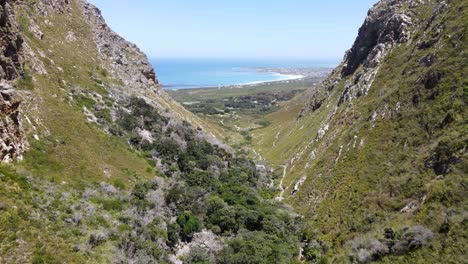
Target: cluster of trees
206,108
261,100
209,188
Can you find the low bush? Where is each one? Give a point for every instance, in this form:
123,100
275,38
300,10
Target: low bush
189,225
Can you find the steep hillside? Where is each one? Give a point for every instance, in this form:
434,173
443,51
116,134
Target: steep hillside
100,165
376,158
12,141
104,167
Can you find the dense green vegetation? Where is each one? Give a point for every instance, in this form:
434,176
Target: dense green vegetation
218,94
205,187
113,178
239,110
263,102
210,187
117,177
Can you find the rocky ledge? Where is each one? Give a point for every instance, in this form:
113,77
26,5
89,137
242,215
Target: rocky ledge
123,59
12,139
388,23
10,43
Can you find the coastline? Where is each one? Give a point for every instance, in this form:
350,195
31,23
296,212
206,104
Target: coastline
240,85
285,75
175,74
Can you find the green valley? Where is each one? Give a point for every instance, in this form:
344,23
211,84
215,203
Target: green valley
363,163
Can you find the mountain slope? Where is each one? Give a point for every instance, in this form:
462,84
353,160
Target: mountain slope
380,147
104,167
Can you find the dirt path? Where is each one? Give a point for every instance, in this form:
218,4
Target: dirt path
281,195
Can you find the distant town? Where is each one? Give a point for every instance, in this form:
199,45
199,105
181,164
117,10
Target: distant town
305,72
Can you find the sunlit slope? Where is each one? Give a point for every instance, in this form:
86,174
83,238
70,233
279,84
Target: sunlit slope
382,144
66,143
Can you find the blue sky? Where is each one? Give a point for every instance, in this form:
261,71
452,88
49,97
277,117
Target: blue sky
286,29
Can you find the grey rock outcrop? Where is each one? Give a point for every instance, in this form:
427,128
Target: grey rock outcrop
123,59
205,241
388,23
35,30
10,43
12,139
320,94
45,7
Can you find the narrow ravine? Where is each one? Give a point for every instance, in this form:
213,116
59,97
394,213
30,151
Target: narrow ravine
281,195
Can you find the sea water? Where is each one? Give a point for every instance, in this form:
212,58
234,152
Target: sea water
179,73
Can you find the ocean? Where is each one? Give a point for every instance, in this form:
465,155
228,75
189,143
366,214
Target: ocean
178,73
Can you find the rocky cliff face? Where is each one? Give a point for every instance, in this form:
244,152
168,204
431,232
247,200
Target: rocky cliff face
10,43
12,140
123,59
387,24
125,62
46,7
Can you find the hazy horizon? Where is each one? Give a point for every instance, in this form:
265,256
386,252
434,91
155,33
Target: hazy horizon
187,73
297,30
334,61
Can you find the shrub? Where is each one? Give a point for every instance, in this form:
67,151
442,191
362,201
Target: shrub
141,189
97,239
181,195
263,123
173,234
216,229
85,101
413,238
214,204
154,232
189,225
41,256
126,121
225,218
198,256
257,247
26,82
112,204
144,251
443,156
